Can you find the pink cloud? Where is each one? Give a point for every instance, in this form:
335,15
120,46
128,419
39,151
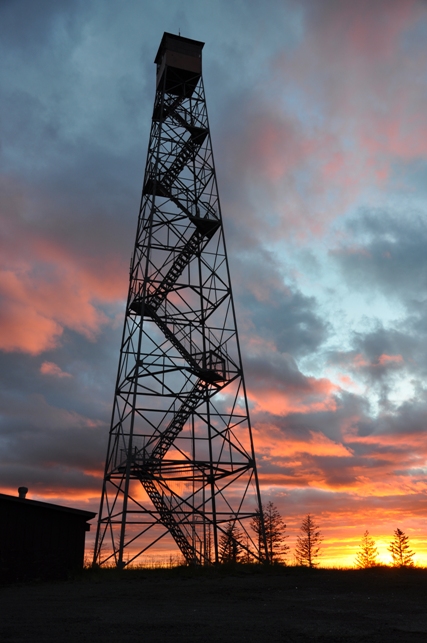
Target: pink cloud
368,83
49,368
413,442
277,386
46,285
385,466
390,359
315,396
36,309
364,27
360,361
347,381
328,124
276,444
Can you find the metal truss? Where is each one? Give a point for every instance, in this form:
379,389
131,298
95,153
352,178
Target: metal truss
180,464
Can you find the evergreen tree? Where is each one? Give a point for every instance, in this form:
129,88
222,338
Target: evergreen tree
367,556
247,554
230,547
401,553
307,549
274,533
256,525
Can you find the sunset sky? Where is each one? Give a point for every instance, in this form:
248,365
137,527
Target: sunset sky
318,116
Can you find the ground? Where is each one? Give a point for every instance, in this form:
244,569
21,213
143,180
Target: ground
227,605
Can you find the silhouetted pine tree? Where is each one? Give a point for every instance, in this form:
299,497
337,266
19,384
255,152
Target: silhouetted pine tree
274,533
307,549
401,553
230,547
246,555
367,556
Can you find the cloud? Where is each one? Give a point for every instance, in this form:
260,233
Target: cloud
319,126
364,67
277,445
326,122
50,447
346,449
54,416
277,386
45,286
49,368
386,253
271,310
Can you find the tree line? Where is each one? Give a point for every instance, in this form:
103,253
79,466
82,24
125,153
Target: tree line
401,553
270,531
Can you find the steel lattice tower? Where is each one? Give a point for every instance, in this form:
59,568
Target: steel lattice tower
180,459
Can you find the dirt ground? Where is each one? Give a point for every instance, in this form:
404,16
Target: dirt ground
235,605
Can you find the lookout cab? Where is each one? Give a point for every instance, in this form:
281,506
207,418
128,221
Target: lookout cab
179,64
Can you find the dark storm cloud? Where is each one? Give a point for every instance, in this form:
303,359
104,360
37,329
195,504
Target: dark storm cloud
278,313
291,322
279,369
54,419
89,372
386,254
44,443
382,341
410,418
376,355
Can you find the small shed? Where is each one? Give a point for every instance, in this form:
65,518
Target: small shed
40,539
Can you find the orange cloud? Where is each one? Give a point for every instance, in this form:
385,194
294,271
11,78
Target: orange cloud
36,310
390,359
49,368
415,441
311,396
29,332
276,444
360,361
45,287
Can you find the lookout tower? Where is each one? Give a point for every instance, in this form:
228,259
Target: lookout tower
180,469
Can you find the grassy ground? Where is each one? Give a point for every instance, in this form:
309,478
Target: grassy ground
242,603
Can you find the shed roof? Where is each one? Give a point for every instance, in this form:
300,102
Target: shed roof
86,515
